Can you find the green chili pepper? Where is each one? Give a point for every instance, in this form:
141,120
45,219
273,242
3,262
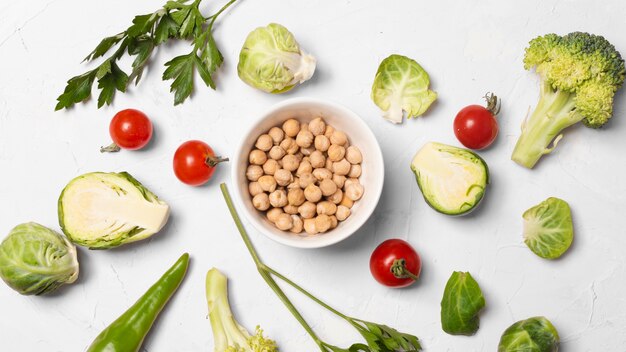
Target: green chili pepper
126,334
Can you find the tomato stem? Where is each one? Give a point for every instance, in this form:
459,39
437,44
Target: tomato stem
399,270
111,148
212,161
493,103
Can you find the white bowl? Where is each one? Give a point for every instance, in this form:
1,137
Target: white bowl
304,110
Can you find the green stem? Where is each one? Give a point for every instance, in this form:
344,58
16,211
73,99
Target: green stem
266,272
399,270
215,15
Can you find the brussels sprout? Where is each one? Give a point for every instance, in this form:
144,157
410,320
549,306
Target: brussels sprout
548,229
401,84
535,334
103,210
452,180
36,260
272,61
462,301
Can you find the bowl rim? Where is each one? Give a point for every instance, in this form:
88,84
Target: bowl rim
326,239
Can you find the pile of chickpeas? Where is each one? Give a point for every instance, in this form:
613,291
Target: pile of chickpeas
304,176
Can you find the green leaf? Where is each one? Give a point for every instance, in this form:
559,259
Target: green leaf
115,79
142,24
190,20
181,70
536,334
104,46
462,301
210,58
381,337
166,29
141,47
548,228
78,89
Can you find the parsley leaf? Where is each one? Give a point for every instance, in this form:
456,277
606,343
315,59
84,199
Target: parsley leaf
181,69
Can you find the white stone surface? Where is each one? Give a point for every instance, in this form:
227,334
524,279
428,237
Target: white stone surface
468,47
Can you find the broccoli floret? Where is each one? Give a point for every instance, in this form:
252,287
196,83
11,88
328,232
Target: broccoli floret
580,73
228,335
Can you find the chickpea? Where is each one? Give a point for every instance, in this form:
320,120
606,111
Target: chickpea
261,201
307,151
312,193
304,127
322,143
294,185
317,126
284,222
264,142
296,196
342,212
353,155
355,171
283,177
336,197
272,214
304,168
328,187
326,207
338,138
277,135
254,172
290,209
289,145
342,167
329,131
329,164
304,139
270,167
299,156
322,174
307,210
317,159
346,202
290,162
291,127
257,157
309,226
298,224
336,152
354,191
254,188
277,152
322,223
267,183
339,180
350,181
333,221
306,180
278,198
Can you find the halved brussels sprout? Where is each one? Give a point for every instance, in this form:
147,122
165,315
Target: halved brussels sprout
36,260
452,180
535,334
548,229
272,61
401,85
103,210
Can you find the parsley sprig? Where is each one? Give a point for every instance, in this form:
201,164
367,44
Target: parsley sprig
177,19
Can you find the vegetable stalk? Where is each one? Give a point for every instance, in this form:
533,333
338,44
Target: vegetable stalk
126,334
378,337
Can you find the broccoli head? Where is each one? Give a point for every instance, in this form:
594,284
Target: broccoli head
580,74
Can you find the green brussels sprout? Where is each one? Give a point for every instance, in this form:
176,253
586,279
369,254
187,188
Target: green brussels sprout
452,180
462,301
548,228
102,210
534,334
401,86
35,260
271,60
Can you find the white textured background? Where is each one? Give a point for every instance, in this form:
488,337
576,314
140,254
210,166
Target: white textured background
468,48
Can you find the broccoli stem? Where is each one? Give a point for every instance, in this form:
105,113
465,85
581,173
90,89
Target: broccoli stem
554,112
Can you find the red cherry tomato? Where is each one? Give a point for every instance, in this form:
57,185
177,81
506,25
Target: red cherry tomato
130,129
395,263
476,126
195,162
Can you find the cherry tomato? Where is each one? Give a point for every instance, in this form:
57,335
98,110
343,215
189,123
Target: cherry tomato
130,129
395,263
195,162
476,126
